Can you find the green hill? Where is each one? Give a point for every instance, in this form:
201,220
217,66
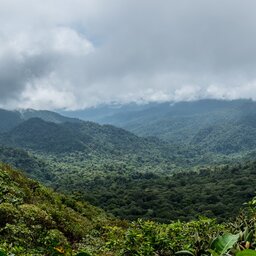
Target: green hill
130,177
48,116
227,137
88,138
36,221
34,167
36,134
10,119
217,126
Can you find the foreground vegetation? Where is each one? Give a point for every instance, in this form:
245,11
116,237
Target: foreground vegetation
36,221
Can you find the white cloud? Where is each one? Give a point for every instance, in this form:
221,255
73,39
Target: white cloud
79,53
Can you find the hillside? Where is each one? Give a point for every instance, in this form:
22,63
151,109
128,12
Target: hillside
88,138
48,116
228,137
36,134
36,221
210,125
10,119
34,167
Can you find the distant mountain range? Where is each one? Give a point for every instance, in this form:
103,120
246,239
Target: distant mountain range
87,137
215,126
10,119
207,126
211,125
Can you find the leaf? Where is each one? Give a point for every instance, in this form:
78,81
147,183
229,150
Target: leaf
2,253
223,243
184,253
246,253
213,253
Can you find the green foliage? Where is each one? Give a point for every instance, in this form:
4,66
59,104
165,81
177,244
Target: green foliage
222,244
246,253
202,237
214,192
34,167
150,190
10,119
41,222
36,221
150,238
2,253
210,125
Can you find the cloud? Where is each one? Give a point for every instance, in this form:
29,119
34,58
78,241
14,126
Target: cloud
80,53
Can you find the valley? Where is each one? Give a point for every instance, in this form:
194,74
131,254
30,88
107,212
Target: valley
206,166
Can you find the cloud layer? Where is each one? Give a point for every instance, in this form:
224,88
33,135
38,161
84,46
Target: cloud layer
79,53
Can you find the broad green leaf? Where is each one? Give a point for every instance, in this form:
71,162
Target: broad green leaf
213,253
2,253
223,243
246,253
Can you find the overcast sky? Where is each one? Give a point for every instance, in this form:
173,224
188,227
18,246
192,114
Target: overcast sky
79,53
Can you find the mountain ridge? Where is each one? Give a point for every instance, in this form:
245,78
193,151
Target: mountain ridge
183,123
12,118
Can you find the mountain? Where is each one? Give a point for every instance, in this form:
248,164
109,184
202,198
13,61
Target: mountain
32,166
48,116
36,134
102,113
211,125
86,137
228,137
10,119
208,126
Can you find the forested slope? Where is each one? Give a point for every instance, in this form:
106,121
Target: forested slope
36,221
127,175
217,126
12,118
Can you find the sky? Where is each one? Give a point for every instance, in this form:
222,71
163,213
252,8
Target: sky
75,54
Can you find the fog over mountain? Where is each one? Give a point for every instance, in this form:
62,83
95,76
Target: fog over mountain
81,53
